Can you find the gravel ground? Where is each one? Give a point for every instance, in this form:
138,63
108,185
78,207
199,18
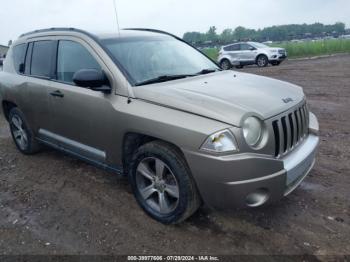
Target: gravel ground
53,204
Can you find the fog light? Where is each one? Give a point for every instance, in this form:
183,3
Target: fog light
257,198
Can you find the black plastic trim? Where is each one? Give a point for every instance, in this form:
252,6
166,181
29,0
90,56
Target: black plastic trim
98,164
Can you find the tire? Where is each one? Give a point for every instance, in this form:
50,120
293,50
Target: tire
262,61
275,63
225,64
174,187
21,133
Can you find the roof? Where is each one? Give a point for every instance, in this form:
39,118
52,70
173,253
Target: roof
129,32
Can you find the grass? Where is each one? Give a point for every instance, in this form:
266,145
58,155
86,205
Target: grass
317,48
213,53
303,49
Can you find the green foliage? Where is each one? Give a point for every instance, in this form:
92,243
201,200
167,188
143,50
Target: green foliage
303,49
273,33
213,53
309,49
211,35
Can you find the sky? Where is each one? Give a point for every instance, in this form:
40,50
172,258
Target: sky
175,16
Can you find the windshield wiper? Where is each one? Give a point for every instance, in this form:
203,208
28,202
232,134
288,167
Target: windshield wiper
163,78
207,71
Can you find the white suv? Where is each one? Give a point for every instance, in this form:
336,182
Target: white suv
249,53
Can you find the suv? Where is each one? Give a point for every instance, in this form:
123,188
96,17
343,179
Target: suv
147,105
250,53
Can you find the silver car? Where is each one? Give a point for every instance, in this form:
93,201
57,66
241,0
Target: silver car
147,105
249,53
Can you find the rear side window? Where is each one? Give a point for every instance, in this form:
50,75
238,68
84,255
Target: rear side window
232,48
19,54
42,58
71,58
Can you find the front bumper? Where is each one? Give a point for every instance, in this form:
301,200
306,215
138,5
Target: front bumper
251,180
278,57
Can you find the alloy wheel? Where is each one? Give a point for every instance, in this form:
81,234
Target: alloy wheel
19,133
225,65
157,185
262,61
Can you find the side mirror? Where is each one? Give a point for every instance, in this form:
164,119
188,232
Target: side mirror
252,48
92,79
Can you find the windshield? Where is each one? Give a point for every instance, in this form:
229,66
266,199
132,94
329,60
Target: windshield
153,57
259,45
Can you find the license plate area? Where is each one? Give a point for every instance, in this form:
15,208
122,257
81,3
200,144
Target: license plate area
300,170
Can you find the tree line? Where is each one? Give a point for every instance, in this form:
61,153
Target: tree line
272,33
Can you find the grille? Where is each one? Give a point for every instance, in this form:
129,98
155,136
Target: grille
282,52
290,129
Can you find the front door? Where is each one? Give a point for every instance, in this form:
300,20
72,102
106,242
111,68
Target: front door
80,116
248,53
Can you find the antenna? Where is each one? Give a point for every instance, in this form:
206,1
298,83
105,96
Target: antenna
116,15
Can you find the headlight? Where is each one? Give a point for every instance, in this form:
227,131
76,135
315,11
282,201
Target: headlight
220,142
252,131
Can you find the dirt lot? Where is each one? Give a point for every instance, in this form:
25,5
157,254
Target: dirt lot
53,204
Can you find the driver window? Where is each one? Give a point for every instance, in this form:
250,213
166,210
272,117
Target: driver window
71,58
245,47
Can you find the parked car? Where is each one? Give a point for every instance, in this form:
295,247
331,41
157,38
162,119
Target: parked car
249,53
147,105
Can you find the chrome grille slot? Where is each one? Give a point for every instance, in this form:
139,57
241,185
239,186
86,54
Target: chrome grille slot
290,129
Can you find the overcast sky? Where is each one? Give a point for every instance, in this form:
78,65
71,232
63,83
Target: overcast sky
176,16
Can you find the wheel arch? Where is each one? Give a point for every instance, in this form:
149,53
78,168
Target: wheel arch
224,58
6,108
133,140
261,54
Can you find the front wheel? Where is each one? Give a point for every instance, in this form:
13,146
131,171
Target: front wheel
162,183
262,61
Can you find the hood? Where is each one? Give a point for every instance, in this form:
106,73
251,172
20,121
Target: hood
225,96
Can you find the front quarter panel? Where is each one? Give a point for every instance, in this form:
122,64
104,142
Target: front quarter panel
185,130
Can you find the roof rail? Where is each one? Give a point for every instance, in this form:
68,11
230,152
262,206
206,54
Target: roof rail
153,31
53,29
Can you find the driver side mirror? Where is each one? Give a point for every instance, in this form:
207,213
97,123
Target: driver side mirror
252,48
93,79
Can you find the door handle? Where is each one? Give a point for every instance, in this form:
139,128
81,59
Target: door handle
57,94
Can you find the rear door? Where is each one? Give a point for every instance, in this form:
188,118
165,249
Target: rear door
36,72
81,117
234,52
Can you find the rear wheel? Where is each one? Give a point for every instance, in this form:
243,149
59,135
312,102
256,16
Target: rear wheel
162,183
21,133
225,64
262,61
